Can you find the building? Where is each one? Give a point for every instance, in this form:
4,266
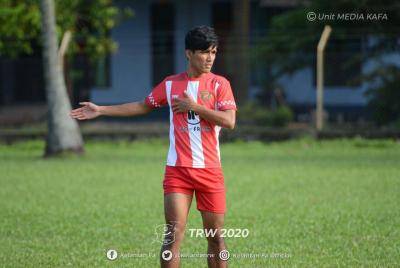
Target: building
151,46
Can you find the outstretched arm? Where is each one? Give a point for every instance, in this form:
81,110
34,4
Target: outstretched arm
91,110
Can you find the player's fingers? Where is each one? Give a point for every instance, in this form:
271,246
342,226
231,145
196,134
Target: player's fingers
77,110
84,103
76,114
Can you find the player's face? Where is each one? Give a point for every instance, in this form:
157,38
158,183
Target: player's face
202,60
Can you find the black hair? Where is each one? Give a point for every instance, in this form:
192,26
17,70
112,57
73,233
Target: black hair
201,38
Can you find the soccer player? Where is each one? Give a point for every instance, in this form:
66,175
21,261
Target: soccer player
200,103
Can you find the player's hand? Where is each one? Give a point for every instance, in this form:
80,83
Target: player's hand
88,111
182,105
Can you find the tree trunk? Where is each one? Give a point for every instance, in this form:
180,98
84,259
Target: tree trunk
63,131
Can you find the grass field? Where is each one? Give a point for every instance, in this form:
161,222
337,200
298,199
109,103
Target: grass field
317,204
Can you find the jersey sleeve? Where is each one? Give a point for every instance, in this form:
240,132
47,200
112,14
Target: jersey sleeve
157,97
225,99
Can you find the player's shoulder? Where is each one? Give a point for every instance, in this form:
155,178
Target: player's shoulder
220,79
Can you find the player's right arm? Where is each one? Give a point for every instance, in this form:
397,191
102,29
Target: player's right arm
90,110
156,99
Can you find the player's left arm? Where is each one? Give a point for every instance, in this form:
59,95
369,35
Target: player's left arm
226,118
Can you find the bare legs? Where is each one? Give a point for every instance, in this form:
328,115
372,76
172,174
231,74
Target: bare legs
216,243
176,209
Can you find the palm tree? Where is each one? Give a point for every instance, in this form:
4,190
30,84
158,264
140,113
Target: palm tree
63,132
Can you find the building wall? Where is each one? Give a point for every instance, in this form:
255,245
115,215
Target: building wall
190,14
131,65
300,90
300,87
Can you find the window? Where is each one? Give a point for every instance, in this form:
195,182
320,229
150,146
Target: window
102,72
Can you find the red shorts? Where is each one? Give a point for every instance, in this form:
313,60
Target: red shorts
207,183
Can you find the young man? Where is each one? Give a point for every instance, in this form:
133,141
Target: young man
200,103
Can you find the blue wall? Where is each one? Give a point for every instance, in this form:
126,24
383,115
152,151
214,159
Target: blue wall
131,64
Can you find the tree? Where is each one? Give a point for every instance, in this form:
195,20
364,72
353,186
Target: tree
90,21
291,41
63,131
19,25
385,96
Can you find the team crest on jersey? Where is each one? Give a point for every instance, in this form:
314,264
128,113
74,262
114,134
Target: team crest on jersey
205,95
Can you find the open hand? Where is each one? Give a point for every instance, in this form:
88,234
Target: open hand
182,105
88,111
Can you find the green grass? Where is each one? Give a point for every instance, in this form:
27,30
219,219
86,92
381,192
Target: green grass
324,204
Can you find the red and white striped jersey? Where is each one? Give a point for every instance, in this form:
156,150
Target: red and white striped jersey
193,141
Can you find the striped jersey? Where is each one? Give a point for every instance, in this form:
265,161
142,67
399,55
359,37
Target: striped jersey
193,141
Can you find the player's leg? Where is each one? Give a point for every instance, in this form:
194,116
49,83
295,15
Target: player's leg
176,209
211,202
215,222
178,192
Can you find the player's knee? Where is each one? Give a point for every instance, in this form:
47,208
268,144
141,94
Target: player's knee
174,234
216,240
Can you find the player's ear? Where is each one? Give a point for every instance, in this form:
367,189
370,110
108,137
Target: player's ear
188,54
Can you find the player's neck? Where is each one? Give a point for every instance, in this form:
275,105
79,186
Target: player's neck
191,73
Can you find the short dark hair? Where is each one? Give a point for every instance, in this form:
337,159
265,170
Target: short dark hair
201,38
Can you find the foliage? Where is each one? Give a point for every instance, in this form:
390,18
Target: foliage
19,26
252,112
385,97
291,42
90,22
